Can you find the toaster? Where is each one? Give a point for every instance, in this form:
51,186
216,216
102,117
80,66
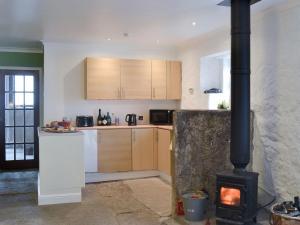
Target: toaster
84,121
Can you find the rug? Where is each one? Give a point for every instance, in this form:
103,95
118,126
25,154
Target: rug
153,193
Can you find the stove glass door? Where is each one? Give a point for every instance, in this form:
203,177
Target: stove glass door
230,196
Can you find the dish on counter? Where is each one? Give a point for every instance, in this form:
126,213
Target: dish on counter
59,130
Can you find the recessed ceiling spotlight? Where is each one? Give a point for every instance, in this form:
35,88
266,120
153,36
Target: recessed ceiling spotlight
108,39
194,24
157,41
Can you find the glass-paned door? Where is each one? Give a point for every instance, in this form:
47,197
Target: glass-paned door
19,119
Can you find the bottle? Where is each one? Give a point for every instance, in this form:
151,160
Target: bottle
99,119
108,119
113,119
117,121
104,120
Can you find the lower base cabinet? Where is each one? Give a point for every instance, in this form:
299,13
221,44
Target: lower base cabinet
142,149
163,151
114,150
136,149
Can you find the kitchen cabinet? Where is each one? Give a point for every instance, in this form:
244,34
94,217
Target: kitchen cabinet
135,79
114,150
173,80
108,78
103,78
142,149
163,151
159,79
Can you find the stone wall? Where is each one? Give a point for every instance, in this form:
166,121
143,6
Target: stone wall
201,148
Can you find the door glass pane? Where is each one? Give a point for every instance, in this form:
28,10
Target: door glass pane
19,152
9,135
29,151
29,83
9,83
9,100
29,100
9,117
29,118
19,117
29,134
19,100
19,83
19,134
9,152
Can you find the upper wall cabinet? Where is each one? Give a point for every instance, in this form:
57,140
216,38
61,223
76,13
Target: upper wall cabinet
174,80
136,79
132,79
159,79
103,78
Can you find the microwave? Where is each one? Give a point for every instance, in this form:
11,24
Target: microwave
161,116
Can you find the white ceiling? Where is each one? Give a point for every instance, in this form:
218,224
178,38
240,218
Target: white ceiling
25,22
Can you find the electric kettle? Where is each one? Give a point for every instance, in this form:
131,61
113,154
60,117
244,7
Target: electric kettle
131,119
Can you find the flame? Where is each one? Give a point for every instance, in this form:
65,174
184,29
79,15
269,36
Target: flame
230,196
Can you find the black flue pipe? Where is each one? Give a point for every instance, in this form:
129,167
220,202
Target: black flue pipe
240,83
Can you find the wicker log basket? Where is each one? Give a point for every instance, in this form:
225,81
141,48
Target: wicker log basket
283,219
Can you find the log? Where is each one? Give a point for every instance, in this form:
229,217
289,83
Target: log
283,219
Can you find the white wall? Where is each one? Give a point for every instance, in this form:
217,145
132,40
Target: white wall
275,81
64,81
191,77
211,69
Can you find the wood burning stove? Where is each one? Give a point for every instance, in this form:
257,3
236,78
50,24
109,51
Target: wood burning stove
236,194
236,197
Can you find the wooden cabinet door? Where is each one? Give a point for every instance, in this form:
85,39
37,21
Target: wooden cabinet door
163,151
159,79
114,150
103,78
174,80
135,79
142,149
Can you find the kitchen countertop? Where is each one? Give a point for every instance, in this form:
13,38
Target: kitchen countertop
44,133
165,127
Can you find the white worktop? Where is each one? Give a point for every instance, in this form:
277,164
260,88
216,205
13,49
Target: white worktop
44,133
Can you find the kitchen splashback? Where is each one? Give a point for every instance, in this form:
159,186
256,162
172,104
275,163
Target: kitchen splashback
119,108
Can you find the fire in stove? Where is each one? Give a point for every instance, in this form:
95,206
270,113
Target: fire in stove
230,196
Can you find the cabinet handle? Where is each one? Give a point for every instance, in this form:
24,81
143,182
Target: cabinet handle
133,135
153,92
123,93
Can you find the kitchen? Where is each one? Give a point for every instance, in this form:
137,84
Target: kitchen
131,146
61,63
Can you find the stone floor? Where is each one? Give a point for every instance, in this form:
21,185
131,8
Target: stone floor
18,182
103,204
110,203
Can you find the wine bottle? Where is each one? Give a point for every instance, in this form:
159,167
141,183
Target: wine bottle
104,120
99,119
108,119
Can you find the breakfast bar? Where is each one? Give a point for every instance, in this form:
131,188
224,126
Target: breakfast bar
61,169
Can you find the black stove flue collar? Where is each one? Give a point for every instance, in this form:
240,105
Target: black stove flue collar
228,2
